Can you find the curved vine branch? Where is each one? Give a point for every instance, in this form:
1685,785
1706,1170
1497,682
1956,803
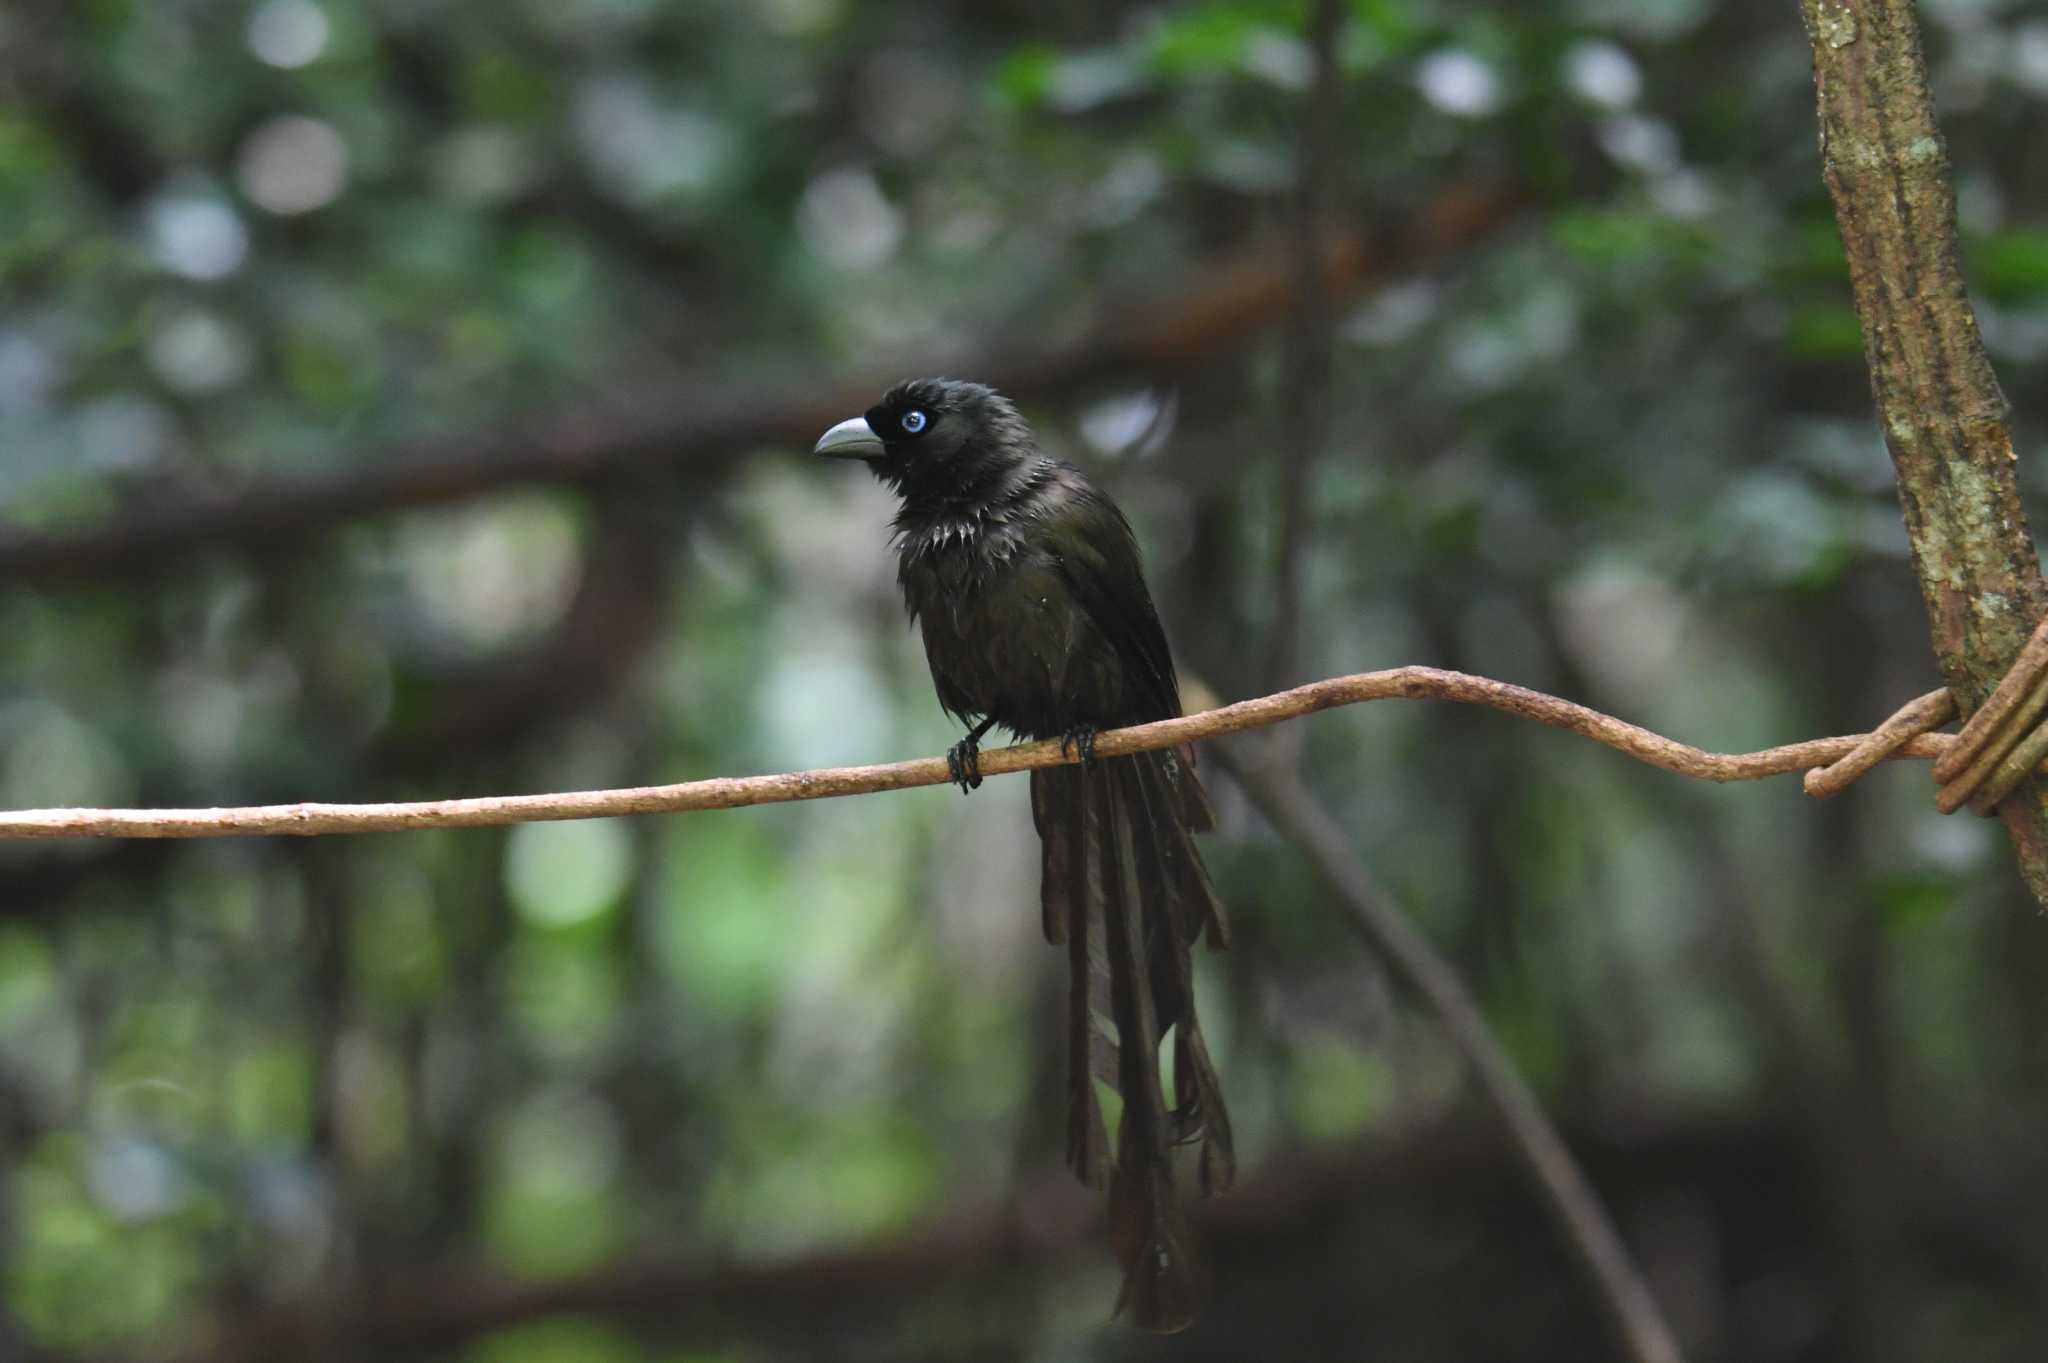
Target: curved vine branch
734,792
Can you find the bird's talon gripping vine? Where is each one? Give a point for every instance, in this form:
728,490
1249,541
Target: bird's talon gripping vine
963,764
1081,739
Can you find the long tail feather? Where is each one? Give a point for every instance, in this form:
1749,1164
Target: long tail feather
1070,900
1125,891
1178,903
1145,1218
1173,773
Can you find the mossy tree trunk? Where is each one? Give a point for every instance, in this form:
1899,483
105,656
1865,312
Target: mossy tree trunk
1943,414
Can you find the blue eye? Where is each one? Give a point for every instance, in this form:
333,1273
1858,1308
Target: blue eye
912,422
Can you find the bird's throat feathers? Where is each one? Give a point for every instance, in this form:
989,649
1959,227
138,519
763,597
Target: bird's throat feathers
978,499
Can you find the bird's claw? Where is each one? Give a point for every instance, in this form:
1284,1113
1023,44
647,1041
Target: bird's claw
963,764
1081,739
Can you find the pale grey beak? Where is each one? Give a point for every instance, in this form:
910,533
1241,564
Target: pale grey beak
851,439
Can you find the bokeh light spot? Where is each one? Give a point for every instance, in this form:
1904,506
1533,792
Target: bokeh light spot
562,874
288,34
292,164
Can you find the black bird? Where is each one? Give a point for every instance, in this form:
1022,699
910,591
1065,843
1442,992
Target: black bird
1025,582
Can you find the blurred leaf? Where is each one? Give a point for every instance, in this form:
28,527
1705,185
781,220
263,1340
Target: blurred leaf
2011,265
327,372
560,1340
789,1189
565,993
1622,236
27,974
81,1280
715,932
500,87
1336,1089
1911,901
1208,39
1023,79
1824,332
553,1206
396,951
1814,249
270,1097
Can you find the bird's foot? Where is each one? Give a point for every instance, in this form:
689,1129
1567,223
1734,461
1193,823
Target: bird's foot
963,763
1080,739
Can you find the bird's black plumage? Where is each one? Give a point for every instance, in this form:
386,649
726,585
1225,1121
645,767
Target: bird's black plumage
1025,582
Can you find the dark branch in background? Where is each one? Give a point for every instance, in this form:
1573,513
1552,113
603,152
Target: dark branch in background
1938,402
1305,377
699,429
1001,1253
1277,791
1444,1173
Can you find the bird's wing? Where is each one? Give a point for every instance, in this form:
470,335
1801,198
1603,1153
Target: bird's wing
1098,558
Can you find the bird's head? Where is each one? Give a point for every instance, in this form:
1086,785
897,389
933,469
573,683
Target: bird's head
934,435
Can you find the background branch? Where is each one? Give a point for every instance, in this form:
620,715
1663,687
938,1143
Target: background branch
1445,1170
700,430
1277,791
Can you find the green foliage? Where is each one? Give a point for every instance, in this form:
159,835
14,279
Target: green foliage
2011,266
561,1341
1337,1089
554,1205
724,955
1623,239
1824,332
